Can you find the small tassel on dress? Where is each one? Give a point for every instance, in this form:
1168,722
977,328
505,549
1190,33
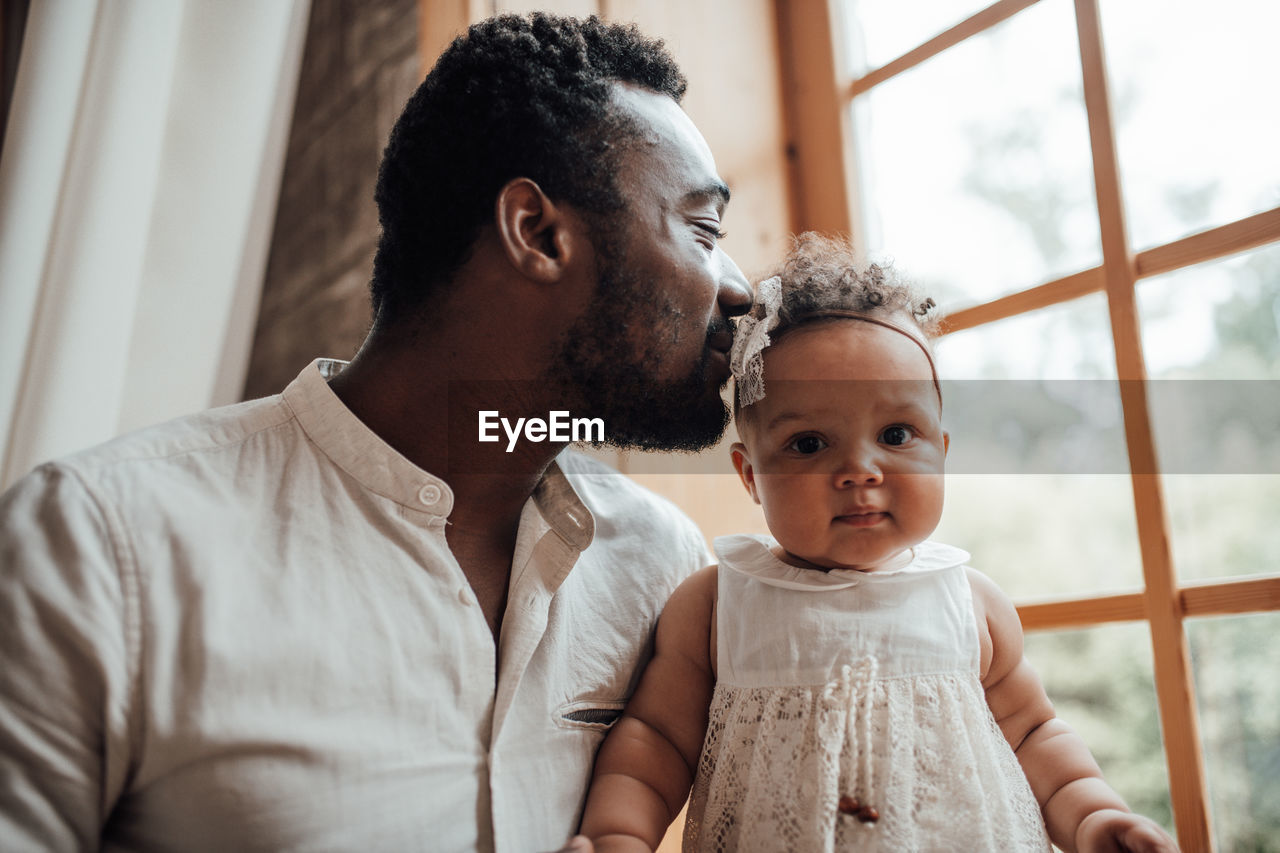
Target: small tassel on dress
855,684
850,806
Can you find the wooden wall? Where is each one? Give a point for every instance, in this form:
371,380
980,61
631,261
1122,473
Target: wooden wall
359,66
729,51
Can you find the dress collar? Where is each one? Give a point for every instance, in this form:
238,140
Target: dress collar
752,555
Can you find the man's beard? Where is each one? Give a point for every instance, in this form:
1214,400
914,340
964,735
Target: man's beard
606,372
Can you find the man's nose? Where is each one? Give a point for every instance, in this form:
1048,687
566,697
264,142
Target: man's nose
734,294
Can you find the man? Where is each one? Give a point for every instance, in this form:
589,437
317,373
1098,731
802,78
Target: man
336,619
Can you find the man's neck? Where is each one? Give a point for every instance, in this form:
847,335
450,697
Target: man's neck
424,399
424,402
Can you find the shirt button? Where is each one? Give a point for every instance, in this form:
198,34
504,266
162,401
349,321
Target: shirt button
429,494
464,595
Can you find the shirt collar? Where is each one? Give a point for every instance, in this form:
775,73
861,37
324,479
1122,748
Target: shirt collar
357,450
563,509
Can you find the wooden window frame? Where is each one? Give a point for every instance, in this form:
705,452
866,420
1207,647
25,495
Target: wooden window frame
823,88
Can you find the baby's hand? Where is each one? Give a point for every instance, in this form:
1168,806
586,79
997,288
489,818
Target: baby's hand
1113,831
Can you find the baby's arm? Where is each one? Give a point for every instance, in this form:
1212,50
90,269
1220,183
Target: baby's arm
1081,811
645,768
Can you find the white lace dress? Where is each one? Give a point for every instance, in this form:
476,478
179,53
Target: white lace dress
857,690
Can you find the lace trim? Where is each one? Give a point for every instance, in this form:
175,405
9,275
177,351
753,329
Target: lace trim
750,339
776,762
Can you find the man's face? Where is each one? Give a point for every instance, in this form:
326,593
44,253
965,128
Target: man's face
650,353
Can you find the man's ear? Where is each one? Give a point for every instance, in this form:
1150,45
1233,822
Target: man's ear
946,443
742,464
536,233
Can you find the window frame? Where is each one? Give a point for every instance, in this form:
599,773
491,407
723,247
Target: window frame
824,172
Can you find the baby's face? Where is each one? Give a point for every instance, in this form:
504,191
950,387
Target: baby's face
845,452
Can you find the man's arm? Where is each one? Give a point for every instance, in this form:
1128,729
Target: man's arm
64,672
1081,811
646,766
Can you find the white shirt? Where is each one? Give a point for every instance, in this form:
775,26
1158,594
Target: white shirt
244,630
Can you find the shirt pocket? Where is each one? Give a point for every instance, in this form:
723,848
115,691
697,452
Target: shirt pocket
591,715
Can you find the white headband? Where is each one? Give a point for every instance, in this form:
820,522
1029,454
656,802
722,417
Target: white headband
746,358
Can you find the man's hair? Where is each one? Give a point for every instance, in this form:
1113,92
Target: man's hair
517,96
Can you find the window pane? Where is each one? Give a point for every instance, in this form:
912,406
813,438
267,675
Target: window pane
1218,324
1039,530
1235,661
1218,320
1197,128
1223,525
1039,536
1068,341
880,32
975,166
1100,682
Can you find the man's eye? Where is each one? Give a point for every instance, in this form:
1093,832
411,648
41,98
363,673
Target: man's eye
807,444
712,230
895,435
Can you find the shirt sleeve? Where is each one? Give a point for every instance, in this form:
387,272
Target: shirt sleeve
694,543
65,673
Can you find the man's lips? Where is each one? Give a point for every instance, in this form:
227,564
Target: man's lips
720,339
719,359
867,518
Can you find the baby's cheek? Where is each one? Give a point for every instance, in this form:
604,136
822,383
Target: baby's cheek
785,523
929,502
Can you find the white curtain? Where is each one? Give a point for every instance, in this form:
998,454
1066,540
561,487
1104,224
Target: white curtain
138,187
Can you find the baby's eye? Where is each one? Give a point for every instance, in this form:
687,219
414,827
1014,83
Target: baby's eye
807,444
895,435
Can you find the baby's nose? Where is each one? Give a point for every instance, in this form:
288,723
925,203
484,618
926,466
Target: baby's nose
860,470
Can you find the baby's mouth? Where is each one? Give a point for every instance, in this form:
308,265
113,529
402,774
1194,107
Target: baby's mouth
869,518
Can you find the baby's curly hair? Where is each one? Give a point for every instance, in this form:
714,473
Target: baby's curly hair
516,96
822,274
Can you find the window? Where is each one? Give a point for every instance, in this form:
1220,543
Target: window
1103,222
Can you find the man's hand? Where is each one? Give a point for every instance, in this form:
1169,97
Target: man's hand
1114,831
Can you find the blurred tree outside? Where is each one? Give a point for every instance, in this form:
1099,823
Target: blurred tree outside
1101,678
974,173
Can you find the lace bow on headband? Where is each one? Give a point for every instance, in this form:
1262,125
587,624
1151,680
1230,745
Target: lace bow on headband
746,358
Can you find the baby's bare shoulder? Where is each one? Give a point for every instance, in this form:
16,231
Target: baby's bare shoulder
687,624
698,588
999,629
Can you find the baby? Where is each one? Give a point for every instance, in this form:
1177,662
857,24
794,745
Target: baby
846,684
